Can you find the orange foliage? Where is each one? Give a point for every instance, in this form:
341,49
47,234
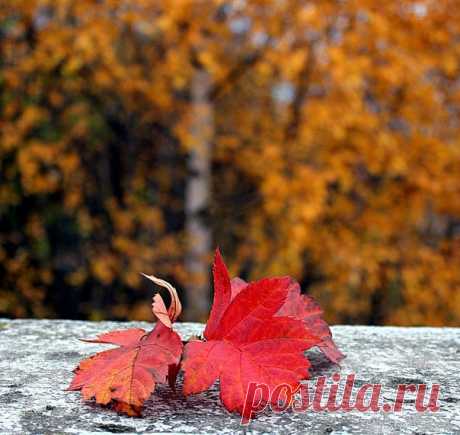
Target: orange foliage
336,151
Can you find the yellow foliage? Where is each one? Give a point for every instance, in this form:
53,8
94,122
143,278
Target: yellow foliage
335,151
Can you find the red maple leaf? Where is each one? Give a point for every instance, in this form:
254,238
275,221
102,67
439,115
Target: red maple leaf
125,377
246,342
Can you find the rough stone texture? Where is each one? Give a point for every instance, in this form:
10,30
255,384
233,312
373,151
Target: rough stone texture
37,358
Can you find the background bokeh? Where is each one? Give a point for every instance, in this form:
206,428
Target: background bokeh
319,139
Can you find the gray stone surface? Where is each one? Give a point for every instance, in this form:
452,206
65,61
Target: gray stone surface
37,358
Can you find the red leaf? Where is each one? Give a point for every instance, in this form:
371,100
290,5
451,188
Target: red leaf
246,343
126,376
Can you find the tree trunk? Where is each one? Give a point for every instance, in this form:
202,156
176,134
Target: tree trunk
197,197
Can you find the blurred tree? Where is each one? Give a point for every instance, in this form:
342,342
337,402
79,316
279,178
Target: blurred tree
332,130
197,197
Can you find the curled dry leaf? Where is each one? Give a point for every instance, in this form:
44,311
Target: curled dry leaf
166,316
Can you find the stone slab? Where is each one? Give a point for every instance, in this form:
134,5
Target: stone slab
37,358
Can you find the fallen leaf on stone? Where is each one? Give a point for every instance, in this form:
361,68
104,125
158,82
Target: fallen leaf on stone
246,342
125,377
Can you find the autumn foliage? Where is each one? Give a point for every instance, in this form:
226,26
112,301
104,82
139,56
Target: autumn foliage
254,334
335,152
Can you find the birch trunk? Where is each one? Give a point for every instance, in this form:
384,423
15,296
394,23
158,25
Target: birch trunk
197,198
